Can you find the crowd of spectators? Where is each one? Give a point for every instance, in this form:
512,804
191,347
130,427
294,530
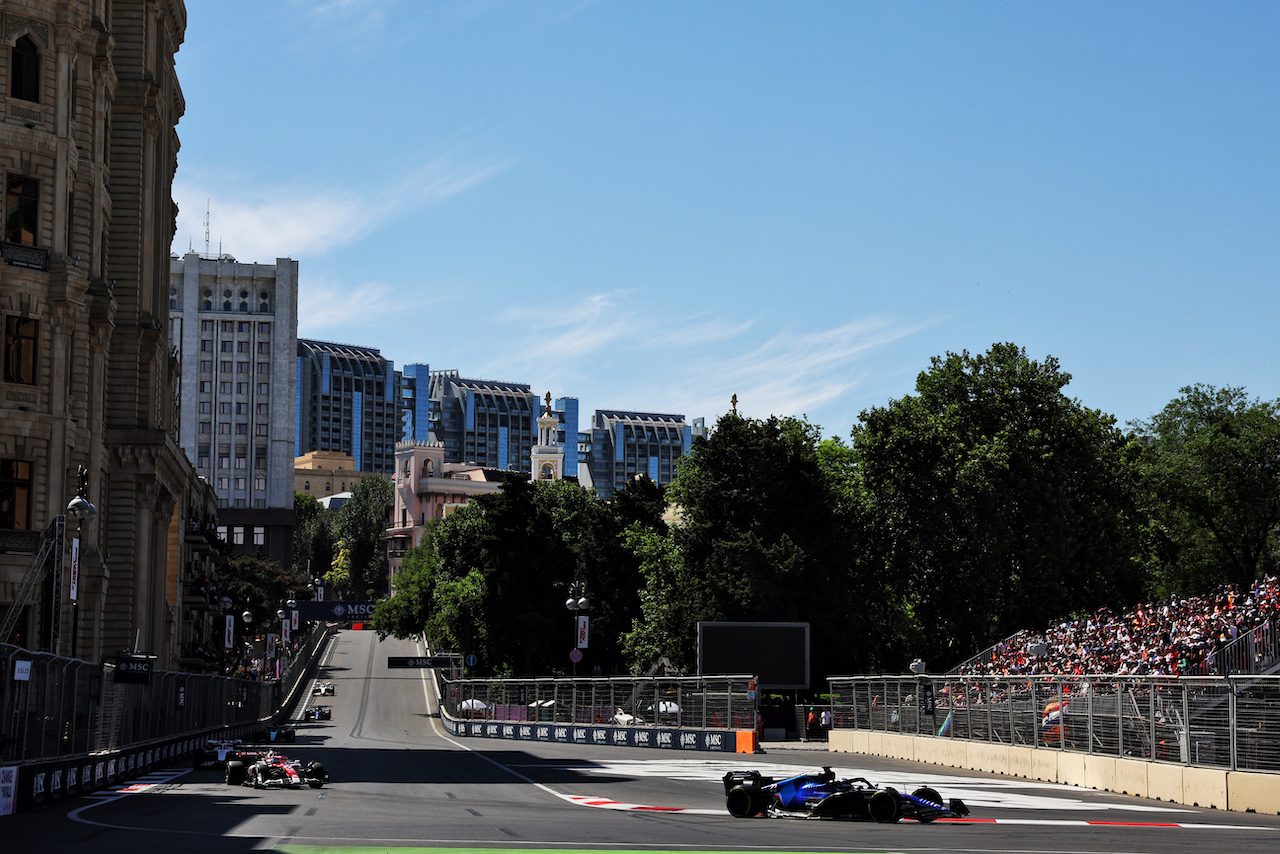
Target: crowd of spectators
1182,636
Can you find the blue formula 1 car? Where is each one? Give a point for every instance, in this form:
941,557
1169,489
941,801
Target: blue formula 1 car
749,794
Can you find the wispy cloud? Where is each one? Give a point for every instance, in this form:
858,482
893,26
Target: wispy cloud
332,310
695,363
308,221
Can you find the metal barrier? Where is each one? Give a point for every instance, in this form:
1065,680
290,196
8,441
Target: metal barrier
1231,723
702,702
683,712
66,707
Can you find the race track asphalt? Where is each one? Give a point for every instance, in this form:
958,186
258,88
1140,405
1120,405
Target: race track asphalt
400,783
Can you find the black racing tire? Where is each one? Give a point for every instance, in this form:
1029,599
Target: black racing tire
883,807
255,775
235,773
742,802
924,793
316,775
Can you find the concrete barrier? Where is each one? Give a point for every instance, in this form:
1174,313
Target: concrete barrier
1240,791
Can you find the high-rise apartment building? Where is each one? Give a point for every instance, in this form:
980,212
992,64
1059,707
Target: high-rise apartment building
235,327
415,403
348,403
484,422
90,103
625,444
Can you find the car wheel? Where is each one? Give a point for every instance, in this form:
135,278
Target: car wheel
316,775
883,807
255,777
741,802
924,793
235,773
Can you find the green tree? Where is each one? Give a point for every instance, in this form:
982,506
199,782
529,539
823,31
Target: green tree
314,535
1211,465
408,613
761,540
259,585
363,522
994,502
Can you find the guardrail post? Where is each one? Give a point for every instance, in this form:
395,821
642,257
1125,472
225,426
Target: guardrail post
1231,720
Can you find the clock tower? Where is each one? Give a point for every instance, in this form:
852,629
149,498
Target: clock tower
547,457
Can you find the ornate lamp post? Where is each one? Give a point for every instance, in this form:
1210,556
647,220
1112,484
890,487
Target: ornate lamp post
83,512
576,603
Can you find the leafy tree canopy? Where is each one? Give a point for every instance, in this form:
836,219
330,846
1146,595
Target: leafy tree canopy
1211,463
996,501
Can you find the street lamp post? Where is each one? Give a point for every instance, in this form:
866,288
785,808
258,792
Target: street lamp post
82,511
576,603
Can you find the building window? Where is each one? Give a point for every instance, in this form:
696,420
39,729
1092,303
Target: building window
206,366
20,338
224,407
237,536
15,495
224,429
306,486
241,388
206,387
262,388
206,345
242,367
260,459
202,461
228,325
259,536
264,301
264,367
225,346
241,462
242,429
205,427
224,388
223,483
264,348
224,461
239,483
206,325
243,325
20,221
260,430
242,346
264,328
259,483
24,71
224,366
261,409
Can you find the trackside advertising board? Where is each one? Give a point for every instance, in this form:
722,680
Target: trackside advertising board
336,610
614,736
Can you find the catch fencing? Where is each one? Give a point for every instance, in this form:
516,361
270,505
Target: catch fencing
1231,723
68,707
700,702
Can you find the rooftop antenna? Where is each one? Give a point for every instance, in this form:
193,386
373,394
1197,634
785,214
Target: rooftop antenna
206,228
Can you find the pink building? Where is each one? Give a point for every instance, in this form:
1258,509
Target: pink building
429,488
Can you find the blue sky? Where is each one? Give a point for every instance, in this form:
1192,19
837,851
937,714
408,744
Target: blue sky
655,206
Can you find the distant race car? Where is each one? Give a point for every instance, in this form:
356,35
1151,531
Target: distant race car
215,752
748,794
271,770
319,713
322,689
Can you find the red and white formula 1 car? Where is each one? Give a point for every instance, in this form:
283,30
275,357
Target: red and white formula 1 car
273,770
322,689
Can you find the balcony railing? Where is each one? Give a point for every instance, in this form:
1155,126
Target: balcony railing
19,255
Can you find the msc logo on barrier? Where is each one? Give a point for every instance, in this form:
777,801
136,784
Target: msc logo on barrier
543,733
600,736
580,735
714,741
642,738
526,732
620,737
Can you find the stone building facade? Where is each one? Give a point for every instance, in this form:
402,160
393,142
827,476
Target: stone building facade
89,104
